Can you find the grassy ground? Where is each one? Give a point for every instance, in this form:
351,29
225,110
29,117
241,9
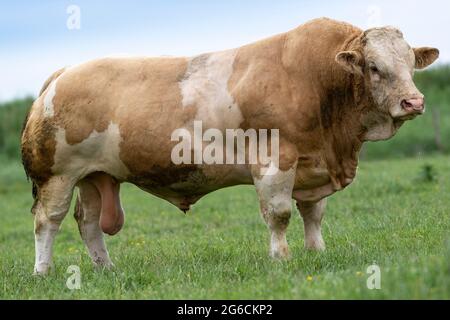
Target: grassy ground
392,216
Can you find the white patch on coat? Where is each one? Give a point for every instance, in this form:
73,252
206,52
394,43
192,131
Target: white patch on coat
98,152
206,86
388,50
275,190
49,109
312,219
275,196
44,246
54,202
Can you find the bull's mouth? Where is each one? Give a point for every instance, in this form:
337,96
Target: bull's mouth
401,117
405,114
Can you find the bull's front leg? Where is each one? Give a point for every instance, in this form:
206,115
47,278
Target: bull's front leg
312,214
275,197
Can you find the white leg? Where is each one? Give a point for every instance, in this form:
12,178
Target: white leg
275,196
52,205
87,214
312,214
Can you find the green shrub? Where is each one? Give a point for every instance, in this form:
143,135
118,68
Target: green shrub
12,116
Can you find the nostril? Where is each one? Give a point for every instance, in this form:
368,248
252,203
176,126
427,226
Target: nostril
406,104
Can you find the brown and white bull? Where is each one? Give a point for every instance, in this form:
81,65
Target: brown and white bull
326,85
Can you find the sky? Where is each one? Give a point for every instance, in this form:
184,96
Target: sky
40,37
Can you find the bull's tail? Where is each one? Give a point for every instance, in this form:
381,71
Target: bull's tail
26,161
50,79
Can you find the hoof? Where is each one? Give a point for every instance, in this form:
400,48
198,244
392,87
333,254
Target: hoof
280,255
41,270
315,246
102,266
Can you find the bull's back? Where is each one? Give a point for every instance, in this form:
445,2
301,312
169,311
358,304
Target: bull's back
89,97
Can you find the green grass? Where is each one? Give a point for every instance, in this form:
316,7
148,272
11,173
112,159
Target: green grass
395,215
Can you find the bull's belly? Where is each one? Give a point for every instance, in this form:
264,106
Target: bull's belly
185,185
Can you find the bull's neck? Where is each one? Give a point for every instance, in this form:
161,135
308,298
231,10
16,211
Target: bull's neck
340,117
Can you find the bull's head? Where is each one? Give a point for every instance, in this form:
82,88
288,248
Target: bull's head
386,62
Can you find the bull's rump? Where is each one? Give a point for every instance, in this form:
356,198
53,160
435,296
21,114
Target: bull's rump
138,97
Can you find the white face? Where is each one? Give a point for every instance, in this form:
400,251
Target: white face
389,70
386,63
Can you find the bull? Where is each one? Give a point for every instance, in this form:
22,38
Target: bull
326,86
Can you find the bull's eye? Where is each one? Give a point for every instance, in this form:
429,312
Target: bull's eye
374,69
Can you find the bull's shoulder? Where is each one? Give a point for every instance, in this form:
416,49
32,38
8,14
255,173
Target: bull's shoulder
329,25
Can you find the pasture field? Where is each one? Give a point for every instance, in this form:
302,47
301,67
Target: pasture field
396,215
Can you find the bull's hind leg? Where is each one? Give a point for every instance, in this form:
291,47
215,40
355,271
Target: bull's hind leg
87,213
53,202
312,214
275,197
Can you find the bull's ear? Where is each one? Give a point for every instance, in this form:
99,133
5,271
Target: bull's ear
351,61
425,56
